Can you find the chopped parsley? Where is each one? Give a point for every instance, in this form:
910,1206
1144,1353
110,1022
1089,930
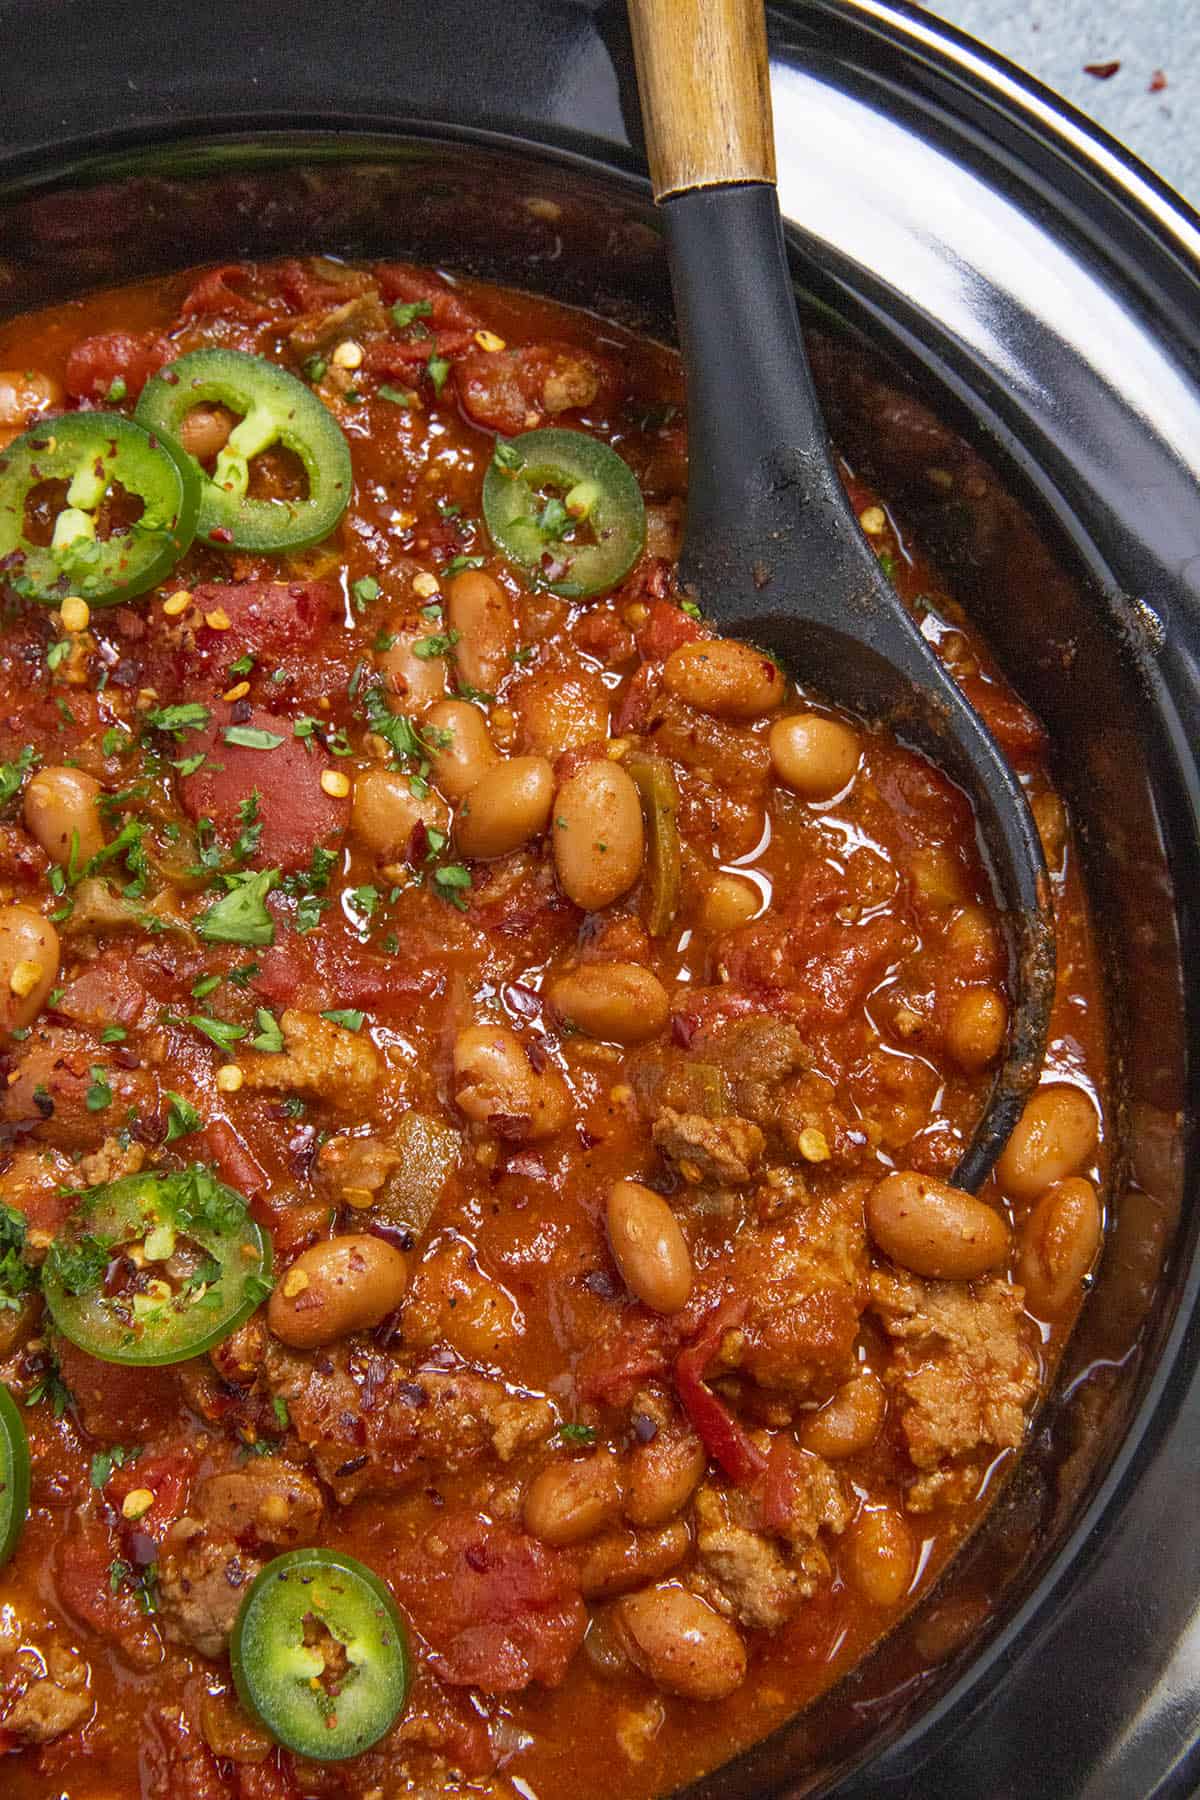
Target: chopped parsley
507,457
241,916
691,609
364,591
348,1018
218,1031
269,1038
397,396
78,1264
105,1461
182,1117
16,1277
188,716
99,1094
57,653
12,774
113,1034
437,368
450,880
407,312
576,1434
251,737
437,645
243,665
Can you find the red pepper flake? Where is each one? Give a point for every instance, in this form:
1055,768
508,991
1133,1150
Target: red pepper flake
1158,82
220,534
1102,71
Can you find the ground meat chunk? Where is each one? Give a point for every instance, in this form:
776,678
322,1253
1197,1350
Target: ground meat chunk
963,1369
318,1058
47,1092
376,1423
498,1609
201,1583
116,1402
722,1152
266,1502
805,1277
54,1705
742,1572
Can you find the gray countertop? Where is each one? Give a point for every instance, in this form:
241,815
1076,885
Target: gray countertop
1150,39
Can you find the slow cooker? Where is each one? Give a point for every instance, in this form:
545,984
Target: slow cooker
959,234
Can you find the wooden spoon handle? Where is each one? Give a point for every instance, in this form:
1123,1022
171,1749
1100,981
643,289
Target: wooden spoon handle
706,97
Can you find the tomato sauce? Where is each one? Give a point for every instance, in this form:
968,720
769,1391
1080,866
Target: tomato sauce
675,1406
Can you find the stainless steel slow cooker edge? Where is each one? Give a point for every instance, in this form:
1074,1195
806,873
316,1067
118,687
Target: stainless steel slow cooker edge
956,228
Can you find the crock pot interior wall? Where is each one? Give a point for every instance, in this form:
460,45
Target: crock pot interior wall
463,206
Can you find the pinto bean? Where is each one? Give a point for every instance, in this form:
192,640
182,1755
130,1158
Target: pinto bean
976,1028
418,682
467,753
496,1085
662,1476
598,835
849,1423
480,611
62,811
649,1248
505,808
725,678
384,812
934,1229
729,901
204,432
881,1557
1058,1245
814,756
618,1002
684,1647
622,1560
29,962
1055,1135
24,394
340,1285
567,1502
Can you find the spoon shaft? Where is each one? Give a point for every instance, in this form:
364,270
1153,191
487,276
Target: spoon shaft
706,97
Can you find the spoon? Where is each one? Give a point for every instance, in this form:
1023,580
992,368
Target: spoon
772,547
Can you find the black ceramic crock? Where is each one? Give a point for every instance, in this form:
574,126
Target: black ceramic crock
1029,297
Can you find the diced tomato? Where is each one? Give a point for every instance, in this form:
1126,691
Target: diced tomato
400,281
601,633
294,810
498,1609
406,357
235,1164
166,1474
215,294
620,1361
96,1599
97,362
304,291
116,1403
515,390
635,708
105,991
723,1436
269,619
667,627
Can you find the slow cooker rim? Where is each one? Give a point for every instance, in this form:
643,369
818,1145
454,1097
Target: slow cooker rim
1173,224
